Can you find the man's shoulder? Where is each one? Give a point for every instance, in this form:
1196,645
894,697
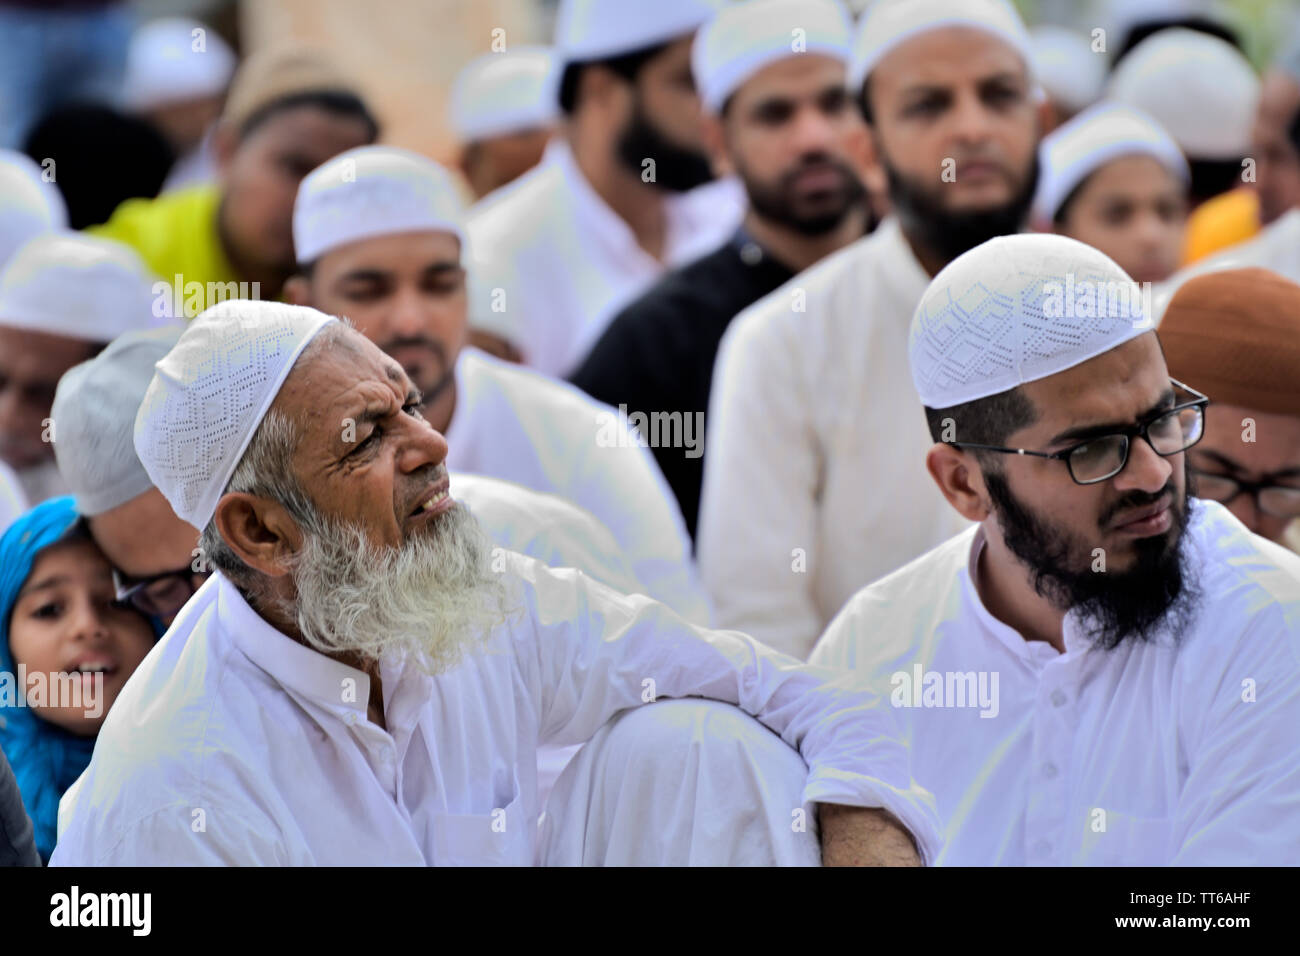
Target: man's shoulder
884,619
508,216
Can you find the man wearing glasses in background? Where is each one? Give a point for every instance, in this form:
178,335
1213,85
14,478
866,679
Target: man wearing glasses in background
1104,670
155,558
1236,333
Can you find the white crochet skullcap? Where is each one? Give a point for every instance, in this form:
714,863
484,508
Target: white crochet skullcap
1097,136
209,394
94,420
603,29
507,92
746,37
78,286
1198,87
888,24
29,206
373,191
174,59
1016,309
1070,70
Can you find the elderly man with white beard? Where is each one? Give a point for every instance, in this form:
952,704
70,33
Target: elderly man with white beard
356,685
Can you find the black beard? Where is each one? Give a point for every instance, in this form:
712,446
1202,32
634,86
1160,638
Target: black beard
948,234
676,168
776,203
1154,595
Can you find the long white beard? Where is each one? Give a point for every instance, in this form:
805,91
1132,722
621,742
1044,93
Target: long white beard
429,601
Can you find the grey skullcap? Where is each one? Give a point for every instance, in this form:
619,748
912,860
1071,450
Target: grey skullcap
94,420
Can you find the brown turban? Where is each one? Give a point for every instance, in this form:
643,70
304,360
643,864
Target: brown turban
278,73
1235,335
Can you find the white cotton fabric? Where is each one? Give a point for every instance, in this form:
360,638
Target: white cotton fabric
1276,247
172,60
1151,754
94,420
1075,150
554,264
514,424
13,500
1016,309
815,481
508,92
209,394
230,716
373,191
603,29
1070,72
29,206
1198,87
746,37
887,24
77,286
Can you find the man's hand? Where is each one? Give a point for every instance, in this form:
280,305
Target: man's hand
864,836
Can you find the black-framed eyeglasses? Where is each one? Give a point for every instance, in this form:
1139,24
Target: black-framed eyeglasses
1280,501
159,595
1105,456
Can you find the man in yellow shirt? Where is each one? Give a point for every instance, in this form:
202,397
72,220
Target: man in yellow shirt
289,110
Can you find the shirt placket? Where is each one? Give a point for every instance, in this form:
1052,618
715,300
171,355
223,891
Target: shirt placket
1053,733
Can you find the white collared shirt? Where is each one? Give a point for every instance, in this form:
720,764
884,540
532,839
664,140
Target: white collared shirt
13,500
512,423
566,263
815,481
1149,754
233,744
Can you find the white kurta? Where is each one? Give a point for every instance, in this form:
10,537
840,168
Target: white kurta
512,423
566,263
1149,754
13,500
814,479
233,744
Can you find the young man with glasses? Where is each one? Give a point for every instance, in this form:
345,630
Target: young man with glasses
1105,670
1237,334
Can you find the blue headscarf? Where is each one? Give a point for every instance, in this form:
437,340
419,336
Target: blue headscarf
45,758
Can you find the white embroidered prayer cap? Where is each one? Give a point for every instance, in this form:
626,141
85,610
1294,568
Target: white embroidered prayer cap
1075,150
209,394
1014,310
78,286
1198,87
29,206
373,191
174,59
746,37
602,29
508,92
1071,72
94,420
888,24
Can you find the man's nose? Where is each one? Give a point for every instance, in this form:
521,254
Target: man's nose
410,317
1145,470
423,446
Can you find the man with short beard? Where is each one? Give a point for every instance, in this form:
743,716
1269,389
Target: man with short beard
813,485
619,197
785,124
358,684
1105,669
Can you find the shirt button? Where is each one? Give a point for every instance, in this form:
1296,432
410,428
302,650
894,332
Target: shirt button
350,718
1058,698
1049,770
751,254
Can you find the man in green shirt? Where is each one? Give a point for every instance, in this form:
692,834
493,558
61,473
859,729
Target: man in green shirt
289,110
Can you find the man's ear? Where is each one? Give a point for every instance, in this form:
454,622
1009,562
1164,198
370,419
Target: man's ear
715,144
259,530
297,290
957,476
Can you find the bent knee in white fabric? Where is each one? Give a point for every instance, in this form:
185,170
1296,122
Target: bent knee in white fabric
681,782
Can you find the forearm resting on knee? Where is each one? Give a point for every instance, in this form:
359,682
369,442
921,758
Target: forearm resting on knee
864,836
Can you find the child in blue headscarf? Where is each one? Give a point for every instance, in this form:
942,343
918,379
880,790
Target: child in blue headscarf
66,649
